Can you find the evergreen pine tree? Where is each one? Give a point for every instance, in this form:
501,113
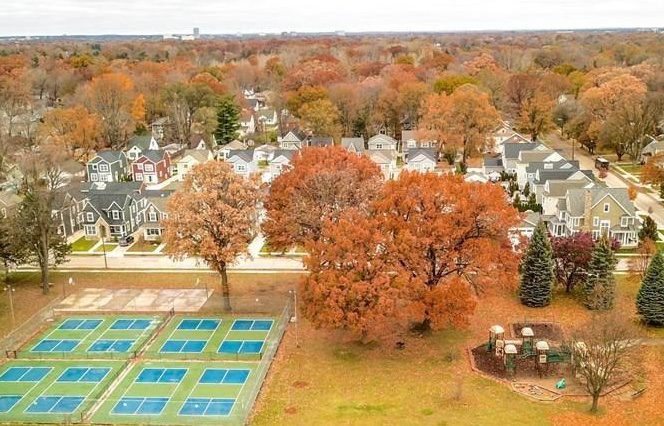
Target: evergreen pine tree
526,189
537,271
650,299
600,285
648,230
228,120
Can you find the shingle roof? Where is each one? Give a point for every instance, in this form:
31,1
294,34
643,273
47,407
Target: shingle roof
108,156
200,155
530,156
533,166
357,144
426,152
112,187
321,141
287,153
385,138
142,142
154,155
246,155
512,150
576,199
490,161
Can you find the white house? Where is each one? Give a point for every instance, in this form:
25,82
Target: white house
421,160
247,123
382,142
293,139
354,145
224,150
190,158
386,160
280,161
138,144
243,162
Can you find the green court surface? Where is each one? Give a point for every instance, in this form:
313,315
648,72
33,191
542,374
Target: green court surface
240,338
172,392
92,337
49,391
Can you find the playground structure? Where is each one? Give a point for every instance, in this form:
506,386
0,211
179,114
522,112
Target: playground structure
524,347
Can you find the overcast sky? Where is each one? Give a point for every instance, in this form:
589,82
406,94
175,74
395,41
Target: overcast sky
56,17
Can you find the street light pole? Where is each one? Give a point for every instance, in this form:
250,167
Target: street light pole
294,318
9,289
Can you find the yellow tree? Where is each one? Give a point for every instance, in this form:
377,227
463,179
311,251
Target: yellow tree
213,217
462,120
535,115
321,117
74,129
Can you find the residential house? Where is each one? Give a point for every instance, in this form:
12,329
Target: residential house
492,164
108,166
601,211
386,160
160,127
475,176
409,141
267,119
529,221
421,160
9,202
111,209
153,214
293,139
189,159
152,166
321,141
653,148
263,153
535,156
72,171
247,123
510,153
280,161
224,150
69,202
198,141
243,162
549,194
354,145
382,142
138,144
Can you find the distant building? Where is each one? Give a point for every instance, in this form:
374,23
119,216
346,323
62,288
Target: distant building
197,33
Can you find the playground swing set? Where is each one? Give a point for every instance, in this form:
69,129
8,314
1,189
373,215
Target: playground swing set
525,347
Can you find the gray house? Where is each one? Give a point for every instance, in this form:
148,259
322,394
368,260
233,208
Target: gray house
111,209
108,166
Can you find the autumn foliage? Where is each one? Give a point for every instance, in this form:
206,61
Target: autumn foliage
320,185
426,248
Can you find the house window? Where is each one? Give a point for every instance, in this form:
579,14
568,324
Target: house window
595,221
606,207
152,216
379,146
94,177
89,217
94,167
149,168
624,221
116,229
115,215
153,232
240,167
139,176
139,166
412,144
90,230
103,167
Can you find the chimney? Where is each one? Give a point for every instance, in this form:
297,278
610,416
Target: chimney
587,214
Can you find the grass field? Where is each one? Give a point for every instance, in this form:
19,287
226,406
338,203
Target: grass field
81,337
215,338
83,244
52,391
106,246
143,246
181,393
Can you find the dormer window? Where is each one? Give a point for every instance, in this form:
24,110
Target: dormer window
115,215
139,166
379,146
624,221
103,167
89,217
149,168
606,207
152,216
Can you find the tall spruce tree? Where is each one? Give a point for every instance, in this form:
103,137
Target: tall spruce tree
600,285
650,299
228,120
537,271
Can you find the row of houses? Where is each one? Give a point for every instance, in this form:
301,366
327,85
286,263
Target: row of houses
572,200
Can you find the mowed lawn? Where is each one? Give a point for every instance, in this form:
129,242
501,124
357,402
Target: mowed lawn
329,381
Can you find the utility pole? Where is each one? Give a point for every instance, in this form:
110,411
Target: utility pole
10,290
103,245
294,318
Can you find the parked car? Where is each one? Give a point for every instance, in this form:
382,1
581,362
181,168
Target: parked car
126,240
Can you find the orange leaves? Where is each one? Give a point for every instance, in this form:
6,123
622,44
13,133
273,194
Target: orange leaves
138,108
421,254
74,129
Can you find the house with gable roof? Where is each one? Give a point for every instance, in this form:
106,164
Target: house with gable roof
382,142
111,209
243,162
354,144
189,159
108,166
138,144
600,211
152,166
293,139
421,160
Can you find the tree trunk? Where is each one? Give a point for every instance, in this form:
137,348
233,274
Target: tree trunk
593,408
225,289
44,277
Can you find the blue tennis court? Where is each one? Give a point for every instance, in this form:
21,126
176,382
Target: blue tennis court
252,325
25,374
140,406
55,345
161,375
207,407
199,324
83,374
55,404
183,346
108,345
7,402
241,346
219,376
80,324
130,324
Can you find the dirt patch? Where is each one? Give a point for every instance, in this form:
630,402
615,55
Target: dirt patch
543,330
299,384
290,410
